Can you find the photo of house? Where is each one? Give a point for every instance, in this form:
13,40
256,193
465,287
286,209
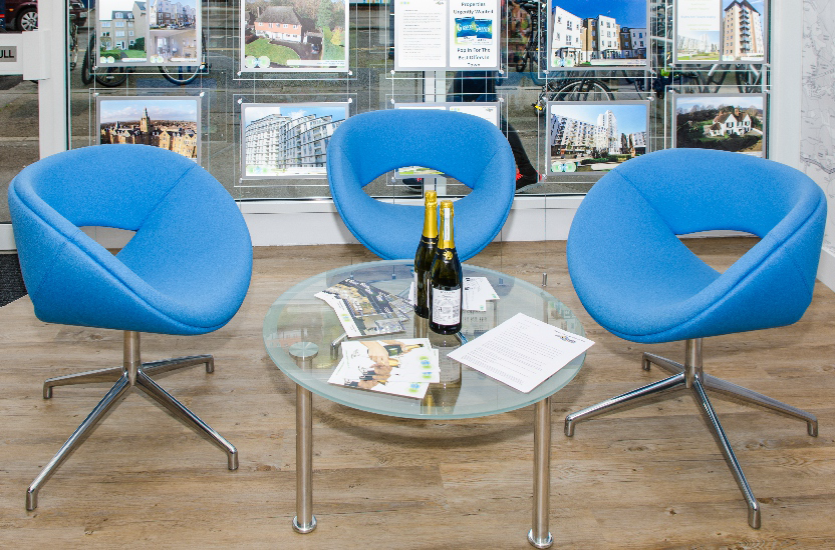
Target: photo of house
166,14
282,140
597,34
122,28
595,136
729,122
167,123
294,35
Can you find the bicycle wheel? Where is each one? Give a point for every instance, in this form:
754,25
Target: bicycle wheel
180,74
112,77
584,89
88,62
749,79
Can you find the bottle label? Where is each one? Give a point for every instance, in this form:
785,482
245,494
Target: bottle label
446,306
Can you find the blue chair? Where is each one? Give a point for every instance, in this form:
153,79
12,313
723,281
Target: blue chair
186,270
637,280
462,146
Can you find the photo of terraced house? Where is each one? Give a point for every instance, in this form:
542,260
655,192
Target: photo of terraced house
595,136
288,140
294,35
597,34
732,122
122,28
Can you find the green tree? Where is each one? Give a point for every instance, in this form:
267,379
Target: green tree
323,17
139,44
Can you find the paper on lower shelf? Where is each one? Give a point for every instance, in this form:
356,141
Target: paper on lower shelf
522,352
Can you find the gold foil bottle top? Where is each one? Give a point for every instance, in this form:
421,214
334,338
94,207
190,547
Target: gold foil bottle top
447,241
430,217
431,197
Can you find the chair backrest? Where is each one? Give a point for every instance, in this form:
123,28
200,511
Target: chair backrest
624,254
185,271
462,146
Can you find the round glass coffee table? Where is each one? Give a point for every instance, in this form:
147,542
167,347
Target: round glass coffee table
302,335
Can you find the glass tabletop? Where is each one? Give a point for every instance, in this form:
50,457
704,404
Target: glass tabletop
298,316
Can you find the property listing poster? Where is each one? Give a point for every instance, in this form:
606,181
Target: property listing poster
597,34
447,35
709,31
595,137
171,123
156,32
287,140
489,111
727,122
294,36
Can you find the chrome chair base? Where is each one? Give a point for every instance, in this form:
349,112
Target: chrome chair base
690,375
132,374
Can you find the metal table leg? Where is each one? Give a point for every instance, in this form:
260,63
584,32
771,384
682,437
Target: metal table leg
539,536
304,522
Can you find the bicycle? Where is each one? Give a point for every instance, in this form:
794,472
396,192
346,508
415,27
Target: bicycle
185,74
583,87
535,55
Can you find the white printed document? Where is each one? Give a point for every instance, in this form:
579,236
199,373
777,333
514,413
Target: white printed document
522,352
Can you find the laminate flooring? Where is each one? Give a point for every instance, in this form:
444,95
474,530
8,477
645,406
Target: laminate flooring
645,477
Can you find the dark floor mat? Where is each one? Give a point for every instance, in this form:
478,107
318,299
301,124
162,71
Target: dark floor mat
11,281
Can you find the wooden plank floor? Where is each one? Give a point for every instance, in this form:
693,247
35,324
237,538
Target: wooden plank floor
648,477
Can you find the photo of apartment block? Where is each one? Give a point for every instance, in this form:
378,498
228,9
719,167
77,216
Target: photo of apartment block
288,140
595,137
742,32
122,27
578,38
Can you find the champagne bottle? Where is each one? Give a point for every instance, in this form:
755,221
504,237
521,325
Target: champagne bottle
445,279
425,254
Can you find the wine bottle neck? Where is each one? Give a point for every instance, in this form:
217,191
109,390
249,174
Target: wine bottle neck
430,221
447,240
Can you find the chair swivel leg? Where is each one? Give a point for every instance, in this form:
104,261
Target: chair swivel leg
155,391
92,376
750,396
669,366
754,519
108,402
132,373
621,400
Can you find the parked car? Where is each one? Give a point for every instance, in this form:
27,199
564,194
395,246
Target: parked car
22,15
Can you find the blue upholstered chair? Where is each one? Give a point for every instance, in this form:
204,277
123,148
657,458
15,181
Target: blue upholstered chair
462,146
635,277
186,270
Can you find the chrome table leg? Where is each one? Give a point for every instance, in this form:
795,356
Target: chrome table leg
623,399
110,400
539,535
717,384
754,519
305,521
180,411
89,377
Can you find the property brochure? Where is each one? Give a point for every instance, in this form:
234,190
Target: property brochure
364,310
477,290
522,352
403,367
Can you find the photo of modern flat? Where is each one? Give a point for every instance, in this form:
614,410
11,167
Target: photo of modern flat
167,123
595,136
288,140
597,34
294,35
122,28
730,122
743,38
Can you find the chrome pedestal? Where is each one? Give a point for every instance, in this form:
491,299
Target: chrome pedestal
132,374
690,375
